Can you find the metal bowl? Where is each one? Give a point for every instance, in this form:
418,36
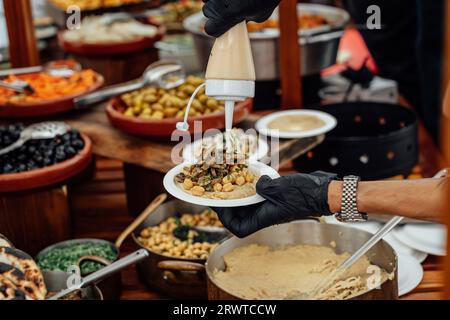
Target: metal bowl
319,45
347,240
176,277
111,288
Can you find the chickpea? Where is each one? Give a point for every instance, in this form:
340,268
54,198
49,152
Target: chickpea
240,181
217,187
188,184
129,112
157,107
249,177
182,95
170,112
228,187
145,233
158,115
192,112
180,114
203,99
198,191
196,104
150,98
212,103
189,89
228,179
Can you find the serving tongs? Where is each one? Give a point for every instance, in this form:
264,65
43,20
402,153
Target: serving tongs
18,86
163,74
380,234
103,273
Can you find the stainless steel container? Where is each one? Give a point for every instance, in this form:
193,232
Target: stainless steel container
110,288
319,45
175,277
347,239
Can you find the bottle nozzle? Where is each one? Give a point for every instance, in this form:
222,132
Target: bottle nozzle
229,112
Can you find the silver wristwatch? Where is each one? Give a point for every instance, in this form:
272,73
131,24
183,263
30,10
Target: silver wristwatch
349,206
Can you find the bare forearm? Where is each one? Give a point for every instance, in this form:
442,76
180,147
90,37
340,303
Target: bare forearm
419,199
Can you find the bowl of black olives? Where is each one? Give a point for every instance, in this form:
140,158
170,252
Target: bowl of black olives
41,163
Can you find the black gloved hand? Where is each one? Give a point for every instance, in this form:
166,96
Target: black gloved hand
224,14
289,198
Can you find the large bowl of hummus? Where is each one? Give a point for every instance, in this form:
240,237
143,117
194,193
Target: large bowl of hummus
290,260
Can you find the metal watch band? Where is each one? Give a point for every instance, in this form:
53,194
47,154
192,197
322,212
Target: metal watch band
349,206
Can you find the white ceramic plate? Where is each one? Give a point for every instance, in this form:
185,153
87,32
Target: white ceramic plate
410,274
261,152
372,227
172,187
262,124
429,238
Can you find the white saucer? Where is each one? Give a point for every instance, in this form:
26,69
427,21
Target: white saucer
262,124
262,151
410,274
429,238
172,187
372,227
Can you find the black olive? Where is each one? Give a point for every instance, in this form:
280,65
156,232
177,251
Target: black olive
67,137
31,150
48,153
60,156
38,159
6,140
47,162
78,144
60,149
21,157
70,151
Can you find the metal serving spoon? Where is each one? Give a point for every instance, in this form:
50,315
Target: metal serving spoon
18,86
163,74
380,234
103,273
44,130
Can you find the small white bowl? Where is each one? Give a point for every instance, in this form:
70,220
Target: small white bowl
172,187
263,123
261,152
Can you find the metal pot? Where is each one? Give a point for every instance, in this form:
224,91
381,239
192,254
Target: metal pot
57,280
175,277
111,286
311,233
319,46
347,240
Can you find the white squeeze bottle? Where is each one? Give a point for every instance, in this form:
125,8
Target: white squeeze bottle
230,75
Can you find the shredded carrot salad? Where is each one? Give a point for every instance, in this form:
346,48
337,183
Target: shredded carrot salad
47,87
